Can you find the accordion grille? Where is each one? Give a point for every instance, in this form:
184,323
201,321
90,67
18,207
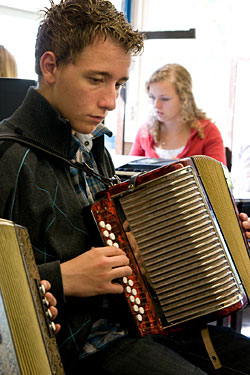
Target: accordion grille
180,247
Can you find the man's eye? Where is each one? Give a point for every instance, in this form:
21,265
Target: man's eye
120,85
96,80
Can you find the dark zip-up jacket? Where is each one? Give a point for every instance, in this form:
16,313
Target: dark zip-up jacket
36,192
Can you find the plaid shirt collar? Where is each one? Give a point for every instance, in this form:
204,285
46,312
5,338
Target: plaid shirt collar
84,141
86,186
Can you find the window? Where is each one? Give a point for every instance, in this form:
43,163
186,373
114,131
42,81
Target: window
222,34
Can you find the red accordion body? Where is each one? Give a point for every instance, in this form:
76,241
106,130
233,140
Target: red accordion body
179,226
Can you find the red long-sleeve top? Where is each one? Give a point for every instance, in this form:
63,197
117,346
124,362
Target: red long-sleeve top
211,145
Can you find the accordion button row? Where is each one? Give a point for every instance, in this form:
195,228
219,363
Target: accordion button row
107,234
47,311
133,299
132,292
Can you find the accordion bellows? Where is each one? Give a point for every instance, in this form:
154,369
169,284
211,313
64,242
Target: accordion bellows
179,226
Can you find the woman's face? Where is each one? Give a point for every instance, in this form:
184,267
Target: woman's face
166,102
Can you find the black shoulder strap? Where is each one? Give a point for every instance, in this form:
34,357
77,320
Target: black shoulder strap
10,139
4,147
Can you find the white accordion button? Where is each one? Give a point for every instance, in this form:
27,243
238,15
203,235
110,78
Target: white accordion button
112,236
137,300
139,317
135,308
128,289
132,299
102,224
125,280
106,233
108,227
52,326
42,289
115,244
109,243
134,292
45,301
141,310
130,282
49,314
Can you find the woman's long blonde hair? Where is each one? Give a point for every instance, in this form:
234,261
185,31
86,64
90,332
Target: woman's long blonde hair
182,81
8,66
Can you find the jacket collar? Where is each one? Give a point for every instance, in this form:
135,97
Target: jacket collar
37,120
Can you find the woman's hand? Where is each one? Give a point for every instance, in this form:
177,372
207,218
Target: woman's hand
51,303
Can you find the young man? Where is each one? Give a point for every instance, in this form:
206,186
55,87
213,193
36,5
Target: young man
83,56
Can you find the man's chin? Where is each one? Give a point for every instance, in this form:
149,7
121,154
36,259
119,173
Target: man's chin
84,128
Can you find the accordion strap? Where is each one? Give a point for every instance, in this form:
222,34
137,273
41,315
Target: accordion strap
81,166
210,348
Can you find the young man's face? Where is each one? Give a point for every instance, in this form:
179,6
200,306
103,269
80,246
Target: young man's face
84,92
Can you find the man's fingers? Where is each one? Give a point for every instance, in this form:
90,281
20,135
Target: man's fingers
46,284
54,312
51,299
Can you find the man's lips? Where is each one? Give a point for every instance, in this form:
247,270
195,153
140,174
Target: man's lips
97,118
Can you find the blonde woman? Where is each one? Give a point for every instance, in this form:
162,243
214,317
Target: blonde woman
8,66
178,128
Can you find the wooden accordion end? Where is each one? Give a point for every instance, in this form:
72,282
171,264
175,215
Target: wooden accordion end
179,226
27,341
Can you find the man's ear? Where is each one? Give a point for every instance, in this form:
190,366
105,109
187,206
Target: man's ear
48,66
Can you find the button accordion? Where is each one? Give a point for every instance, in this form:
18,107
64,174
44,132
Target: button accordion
179,226
27,340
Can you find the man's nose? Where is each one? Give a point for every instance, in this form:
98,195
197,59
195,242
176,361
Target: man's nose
108,99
